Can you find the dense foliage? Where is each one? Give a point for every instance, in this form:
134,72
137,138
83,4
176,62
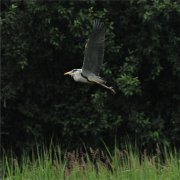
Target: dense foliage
42,40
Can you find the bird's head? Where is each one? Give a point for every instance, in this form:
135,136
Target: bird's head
72,72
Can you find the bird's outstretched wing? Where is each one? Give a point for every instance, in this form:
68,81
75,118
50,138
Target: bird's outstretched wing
94,50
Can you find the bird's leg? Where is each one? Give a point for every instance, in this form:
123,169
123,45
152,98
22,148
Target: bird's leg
110,88
107,87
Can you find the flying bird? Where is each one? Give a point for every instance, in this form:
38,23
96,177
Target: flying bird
93,58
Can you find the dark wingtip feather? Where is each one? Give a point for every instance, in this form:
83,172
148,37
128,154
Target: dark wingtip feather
98,25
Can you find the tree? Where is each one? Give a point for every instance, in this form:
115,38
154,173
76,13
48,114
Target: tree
43,40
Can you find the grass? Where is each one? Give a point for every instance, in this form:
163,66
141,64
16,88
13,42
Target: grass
125,164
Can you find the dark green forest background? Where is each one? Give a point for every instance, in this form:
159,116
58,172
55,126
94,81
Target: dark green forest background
43,39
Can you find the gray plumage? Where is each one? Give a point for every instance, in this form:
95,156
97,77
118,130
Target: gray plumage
94,49
93,58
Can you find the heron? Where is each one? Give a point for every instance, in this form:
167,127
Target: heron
93,58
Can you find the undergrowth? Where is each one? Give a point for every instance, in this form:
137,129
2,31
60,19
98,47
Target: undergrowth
122,163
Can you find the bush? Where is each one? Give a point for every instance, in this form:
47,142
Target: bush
42,40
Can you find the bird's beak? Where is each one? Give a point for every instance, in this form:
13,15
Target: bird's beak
68,73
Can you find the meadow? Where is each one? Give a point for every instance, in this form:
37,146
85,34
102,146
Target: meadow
125,163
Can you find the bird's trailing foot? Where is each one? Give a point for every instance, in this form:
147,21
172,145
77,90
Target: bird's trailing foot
107,87
110,88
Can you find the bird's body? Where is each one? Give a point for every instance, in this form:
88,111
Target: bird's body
93,58
79,77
